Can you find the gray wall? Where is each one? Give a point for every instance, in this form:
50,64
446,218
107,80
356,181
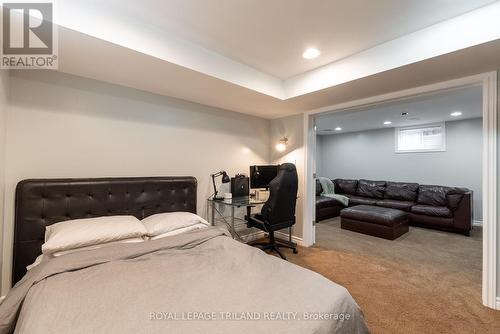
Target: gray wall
291,127
66,126
370,155
4,94
498,187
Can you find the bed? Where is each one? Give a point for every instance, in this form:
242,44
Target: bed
201,281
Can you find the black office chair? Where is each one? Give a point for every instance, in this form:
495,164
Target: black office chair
279,210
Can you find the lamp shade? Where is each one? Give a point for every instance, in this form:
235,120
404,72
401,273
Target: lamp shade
225,177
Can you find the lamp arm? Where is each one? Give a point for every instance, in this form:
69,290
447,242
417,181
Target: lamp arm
213,182
217,174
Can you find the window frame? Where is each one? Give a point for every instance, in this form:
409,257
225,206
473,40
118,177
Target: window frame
442,148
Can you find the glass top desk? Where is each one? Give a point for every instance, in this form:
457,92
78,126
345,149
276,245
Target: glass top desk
237,202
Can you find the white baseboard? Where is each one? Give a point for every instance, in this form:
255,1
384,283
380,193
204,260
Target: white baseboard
477,223
497,304
252,236
260,234
298,240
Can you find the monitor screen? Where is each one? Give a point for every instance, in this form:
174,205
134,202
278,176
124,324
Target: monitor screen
260,176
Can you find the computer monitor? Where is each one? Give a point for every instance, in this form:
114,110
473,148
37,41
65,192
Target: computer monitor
261,176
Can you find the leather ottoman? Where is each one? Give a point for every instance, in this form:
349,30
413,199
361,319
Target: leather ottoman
376,221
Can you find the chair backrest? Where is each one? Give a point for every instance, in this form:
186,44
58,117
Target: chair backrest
280,207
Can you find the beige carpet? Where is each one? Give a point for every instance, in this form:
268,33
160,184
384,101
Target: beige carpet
424,282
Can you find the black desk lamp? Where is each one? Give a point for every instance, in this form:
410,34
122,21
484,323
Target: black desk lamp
225,179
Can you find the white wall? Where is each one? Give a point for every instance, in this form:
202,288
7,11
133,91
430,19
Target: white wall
291,127
498,197
65,126
370,155
4,94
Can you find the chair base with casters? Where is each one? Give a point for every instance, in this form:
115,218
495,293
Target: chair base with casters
272,245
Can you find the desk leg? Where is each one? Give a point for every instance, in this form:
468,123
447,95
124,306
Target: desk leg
233,231
249,213
213,214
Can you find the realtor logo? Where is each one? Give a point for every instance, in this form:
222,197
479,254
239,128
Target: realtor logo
28,36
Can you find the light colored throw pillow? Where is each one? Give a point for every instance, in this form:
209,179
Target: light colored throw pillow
38,260
75,250
78,233
162,223
180,230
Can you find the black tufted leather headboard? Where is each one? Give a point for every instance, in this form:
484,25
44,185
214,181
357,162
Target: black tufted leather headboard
42,202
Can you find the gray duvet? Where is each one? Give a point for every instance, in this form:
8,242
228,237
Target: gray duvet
197,282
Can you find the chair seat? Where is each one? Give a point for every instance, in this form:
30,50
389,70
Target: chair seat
256,220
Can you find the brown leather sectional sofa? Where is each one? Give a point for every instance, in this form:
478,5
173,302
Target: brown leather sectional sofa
440,207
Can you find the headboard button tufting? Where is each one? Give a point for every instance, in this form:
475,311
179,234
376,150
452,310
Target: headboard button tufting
89,198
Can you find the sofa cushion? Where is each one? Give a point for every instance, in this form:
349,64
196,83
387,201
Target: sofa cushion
344,186
372,189
402,191
428,210
432,221
358,200
323,202
432,195
375,215
393,204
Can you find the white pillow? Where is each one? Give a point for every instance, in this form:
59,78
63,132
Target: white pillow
162,223
180,230
75,250
79,233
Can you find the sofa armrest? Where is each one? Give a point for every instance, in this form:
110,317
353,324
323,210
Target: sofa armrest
463,213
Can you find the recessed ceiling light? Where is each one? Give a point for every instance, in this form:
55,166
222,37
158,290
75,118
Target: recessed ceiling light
338,128
311,53
387,123
456,113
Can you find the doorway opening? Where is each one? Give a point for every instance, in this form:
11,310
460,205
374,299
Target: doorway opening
404,138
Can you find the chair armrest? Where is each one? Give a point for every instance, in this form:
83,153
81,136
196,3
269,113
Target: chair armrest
254,221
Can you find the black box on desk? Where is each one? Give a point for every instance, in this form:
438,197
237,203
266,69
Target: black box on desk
240,186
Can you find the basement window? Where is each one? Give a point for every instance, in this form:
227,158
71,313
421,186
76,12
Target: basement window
422,138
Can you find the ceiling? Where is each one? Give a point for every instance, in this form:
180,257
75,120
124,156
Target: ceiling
271,35
422,110
245,55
